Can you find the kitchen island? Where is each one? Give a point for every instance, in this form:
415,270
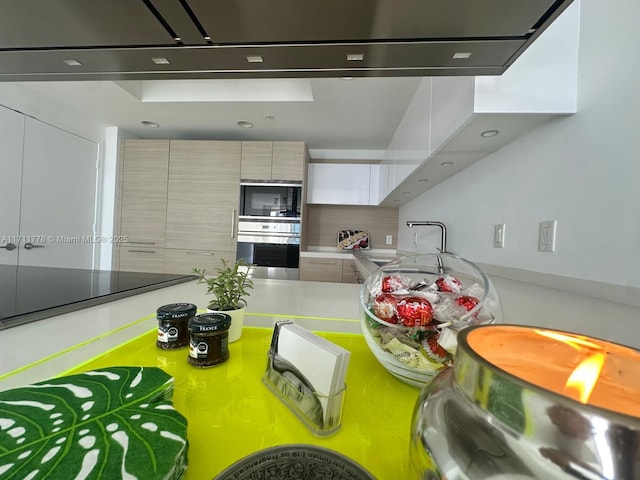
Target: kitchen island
231,414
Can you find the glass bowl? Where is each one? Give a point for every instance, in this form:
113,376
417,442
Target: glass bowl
413,308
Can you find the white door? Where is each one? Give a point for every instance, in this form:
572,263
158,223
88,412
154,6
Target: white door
58,201
11,133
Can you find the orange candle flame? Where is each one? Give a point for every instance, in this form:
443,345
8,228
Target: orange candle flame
585,376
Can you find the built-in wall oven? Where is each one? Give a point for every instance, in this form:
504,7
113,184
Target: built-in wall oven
269,228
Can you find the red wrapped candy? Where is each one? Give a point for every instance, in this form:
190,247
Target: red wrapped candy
467,302
449,283
414,312
391,283
384,307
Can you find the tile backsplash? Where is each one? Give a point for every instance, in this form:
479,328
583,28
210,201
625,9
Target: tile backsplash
324,222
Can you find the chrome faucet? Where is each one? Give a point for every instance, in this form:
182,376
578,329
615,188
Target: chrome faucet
443,230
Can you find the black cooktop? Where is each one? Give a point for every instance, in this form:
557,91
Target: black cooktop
28,294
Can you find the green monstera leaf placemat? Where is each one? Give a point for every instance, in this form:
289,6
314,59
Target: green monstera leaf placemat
112,423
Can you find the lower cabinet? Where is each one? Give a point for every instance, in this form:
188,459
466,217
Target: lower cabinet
141,259
184,261
318,269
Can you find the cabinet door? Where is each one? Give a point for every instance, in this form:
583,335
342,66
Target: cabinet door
184,261
145,168
288,161
339,184
141,259
321,269
203,195
256,160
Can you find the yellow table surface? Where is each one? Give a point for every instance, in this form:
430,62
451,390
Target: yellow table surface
232,414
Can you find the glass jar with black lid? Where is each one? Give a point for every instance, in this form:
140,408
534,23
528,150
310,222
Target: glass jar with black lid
173,325
209,339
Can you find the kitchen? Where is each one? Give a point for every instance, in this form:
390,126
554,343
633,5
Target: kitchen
576,169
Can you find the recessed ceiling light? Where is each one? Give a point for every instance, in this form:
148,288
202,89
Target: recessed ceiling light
177,39
72,63
423,180
355,57
244,124
149,124
160,60
461,55
406,193
346,78
489,133
446,164
207,38
254,59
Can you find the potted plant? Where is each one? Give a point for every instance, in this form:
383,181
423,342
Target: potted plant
229,288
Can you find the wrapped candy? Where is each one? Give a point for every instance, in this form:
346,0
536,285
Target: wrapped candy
391,283
449,283
414,312
384,307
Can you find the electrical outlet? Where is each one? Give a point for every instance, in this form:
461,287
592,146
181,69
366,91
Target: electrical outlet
389,239
547,236
498,235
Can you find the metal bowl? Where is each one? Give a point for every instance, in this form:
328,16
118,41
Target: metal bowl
510,409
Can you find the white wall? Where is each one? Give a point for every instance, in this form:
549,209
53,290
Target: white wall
582,170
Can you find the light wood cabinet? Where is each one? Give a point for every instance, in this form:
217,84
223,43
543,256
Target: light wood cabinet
288,161
143,213
273,161
320,269
256,160
184,260
141,259
327,269
203,195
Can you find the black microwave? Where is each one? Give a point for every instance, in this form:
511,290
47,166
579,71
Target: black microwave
270,199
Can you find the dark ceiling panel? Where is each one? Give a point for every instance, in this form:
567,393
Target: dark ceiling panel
381,59
78,23
256,21
117,39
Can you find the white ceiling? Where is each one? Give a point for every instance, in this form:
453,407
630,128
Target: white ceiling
357,115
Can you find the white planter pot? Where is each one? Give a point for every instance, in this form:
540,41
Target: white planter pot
237,321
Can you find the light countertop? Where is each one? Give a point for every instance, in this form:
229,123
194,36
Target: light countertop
45,348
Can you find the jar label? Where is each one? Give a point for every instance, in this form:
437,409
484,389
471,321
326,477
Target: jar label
168,335
198,349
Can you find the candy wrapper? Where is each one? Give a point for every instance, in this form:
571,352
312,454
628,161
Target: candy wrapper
417,321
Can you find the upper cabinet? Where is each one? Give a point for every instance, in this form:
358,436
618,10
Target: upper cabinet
273,161
342,184
454,121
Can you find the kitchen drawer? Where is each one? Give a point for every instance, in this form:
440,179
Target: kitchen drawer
141,259
184,261
321,269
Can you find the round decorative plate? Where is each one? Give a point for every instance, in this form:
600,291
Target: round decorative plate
295,462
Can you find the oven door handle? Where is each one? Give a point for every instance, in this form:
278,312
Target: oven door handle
268,234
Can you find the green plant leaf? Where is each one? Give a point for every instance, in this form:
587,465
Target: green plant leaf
117,422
